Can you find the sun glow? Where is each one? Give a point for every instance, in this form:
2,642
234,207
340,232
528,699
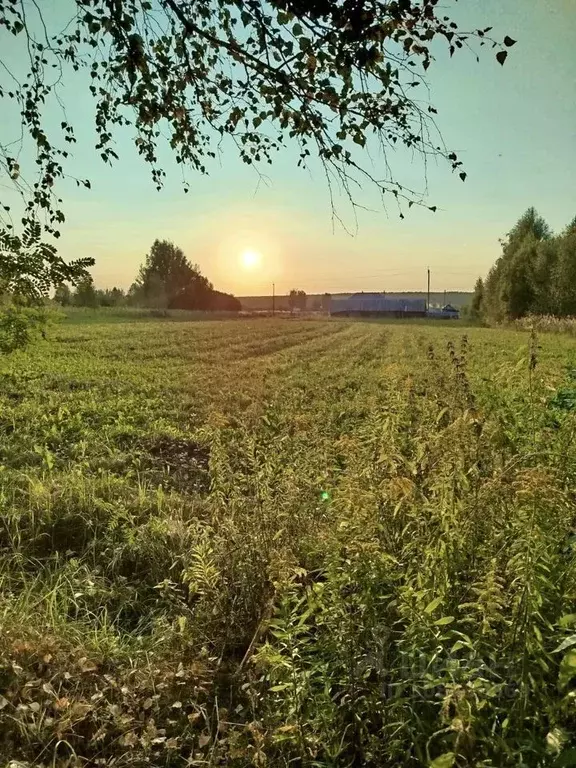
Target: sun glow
250,259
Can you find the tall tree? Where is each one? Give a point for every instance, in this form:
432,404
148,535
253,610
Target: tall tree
168,280
111,297
63,295
517,289
530,223
565,273
492,301
325,73
518,282
544,271
477,299
165,274
85,294
297,299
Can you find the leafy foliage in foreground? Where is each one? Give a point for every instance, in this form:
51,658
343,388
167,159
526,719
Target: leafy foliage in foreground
318,544
30,267
326,74
20,325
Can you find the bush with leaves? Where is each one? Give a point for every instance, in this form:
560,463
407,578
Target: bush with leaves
30,267
19,325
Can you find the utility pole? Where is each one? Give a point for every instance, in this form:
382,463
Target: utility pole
273,299
444,297
428,306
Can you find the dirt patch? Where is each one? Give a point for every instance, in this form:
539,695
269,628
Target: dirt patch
183,463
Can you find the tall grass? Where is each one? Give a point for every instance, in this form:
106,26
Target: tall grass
548,324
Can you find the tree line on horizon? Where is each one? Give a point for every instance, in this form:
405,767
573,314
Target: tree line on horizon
535,275
166,280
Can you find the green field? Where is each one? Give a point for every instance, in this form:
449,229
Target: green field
283,543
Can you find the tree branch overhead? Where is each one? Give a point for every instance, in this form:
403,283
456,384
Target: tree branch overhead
329,75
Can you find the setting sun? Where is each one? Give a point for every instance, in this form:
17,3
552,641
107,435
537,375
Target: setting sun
250,259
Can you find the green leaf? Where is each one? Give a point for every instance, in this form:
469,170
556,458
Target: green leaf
566,759
501,56
443,621
433,605
565,644
360,139
297,30
568,620
509,42
567,669
444,761
555,740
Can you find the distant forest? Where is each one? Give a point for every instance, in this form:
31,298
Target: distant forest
535,275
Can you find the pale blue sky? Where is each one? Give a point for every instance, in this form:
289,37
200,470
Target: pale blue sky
514,127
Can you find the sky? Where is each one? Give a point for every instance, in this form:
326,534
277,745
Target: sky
514,127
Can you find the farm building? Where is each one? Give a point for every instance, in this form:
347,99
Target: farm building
447,312
377,304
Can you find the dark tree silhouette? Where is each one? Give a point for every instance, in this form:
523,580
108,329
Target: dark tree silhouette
168,280
297,300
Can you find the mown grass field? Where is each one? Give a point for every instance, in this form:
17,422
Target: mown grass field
288,543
